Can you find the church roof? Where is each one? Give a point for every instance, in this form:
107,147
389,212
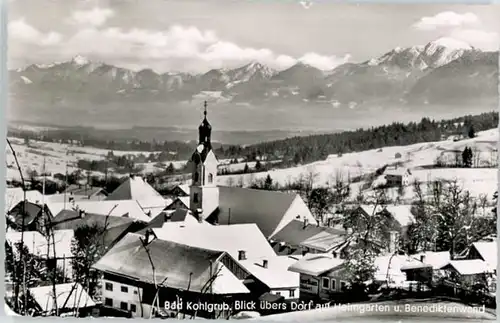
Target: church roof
135,188
243,205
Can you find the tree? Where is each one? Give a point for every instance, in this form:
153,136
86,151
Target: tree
258,166
467,157
422,233
268,183
170,168
455,211
471,133
88,246
320,201
360,268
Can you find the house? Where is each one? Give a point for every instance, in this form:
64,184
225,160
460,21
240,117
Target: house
270,210
14,195
72,299
122,208
181,216
300,237
136,189
115,227
34,219
241,241
397,176
486,251
322,277
270,275
86,192
41,247
396,219
180,190
183,273
470,272
426,267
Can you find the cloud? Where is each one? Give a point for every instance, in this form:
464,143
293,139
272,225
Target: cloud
446,19
20,31
194,49
323,62
95,17
485,40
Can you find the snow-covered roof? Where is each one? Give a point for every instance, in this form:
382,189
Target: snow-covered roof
37,244
276,275
388,267
229,238
135,188
488,251
316,264
401,213
396,172
185,266
435,260
112,208
15,195
185,188
470,267
9,311
325,240
73,297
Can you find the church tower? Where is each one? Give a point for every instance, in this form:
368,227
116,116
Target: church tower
204,193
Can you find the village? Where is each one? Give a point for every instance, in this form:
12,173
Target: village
207,250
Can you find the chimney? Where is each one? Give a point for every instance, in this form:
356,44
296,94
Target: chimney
305,223
199,215
82,213
264,263
422,258
242,255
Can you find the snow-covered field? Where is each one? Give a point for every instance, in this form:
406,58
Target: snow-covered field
413,157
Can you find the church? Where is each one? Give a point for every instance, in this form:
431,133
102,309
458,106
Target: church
271,211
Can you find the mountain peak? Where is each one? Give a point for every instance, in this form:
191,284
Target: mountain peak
450,43
80,60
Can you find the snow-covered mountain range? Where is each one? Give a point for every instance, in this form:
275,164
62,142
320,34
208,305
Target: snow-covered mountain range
445,71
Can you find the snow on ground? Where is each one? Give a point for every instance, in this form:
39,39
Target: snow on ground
413,157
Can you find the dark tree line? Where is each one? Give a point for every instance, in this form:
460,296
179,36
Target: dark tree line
316,147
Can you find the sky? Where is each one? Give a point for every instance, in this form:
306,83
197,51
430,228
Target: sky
198,35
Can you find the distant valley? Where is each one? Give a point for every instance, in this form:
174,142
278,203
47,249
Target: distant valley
442,79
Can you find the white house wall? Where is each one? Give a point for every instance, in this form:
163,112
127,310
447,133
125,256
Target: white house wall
132,296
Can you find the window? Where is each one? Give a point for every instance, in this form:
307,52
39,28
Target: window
326,283
124,289
343,285
210,178
109,287
292,293
133,308
124,306
108,302
333,284
278,293
135,292
195,197
196,177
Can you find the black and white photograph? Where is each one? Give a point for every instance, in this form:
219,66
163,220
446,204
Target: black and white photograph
255,160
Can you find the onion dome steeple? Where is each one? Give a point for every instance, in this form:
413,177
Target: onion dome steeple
205,130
